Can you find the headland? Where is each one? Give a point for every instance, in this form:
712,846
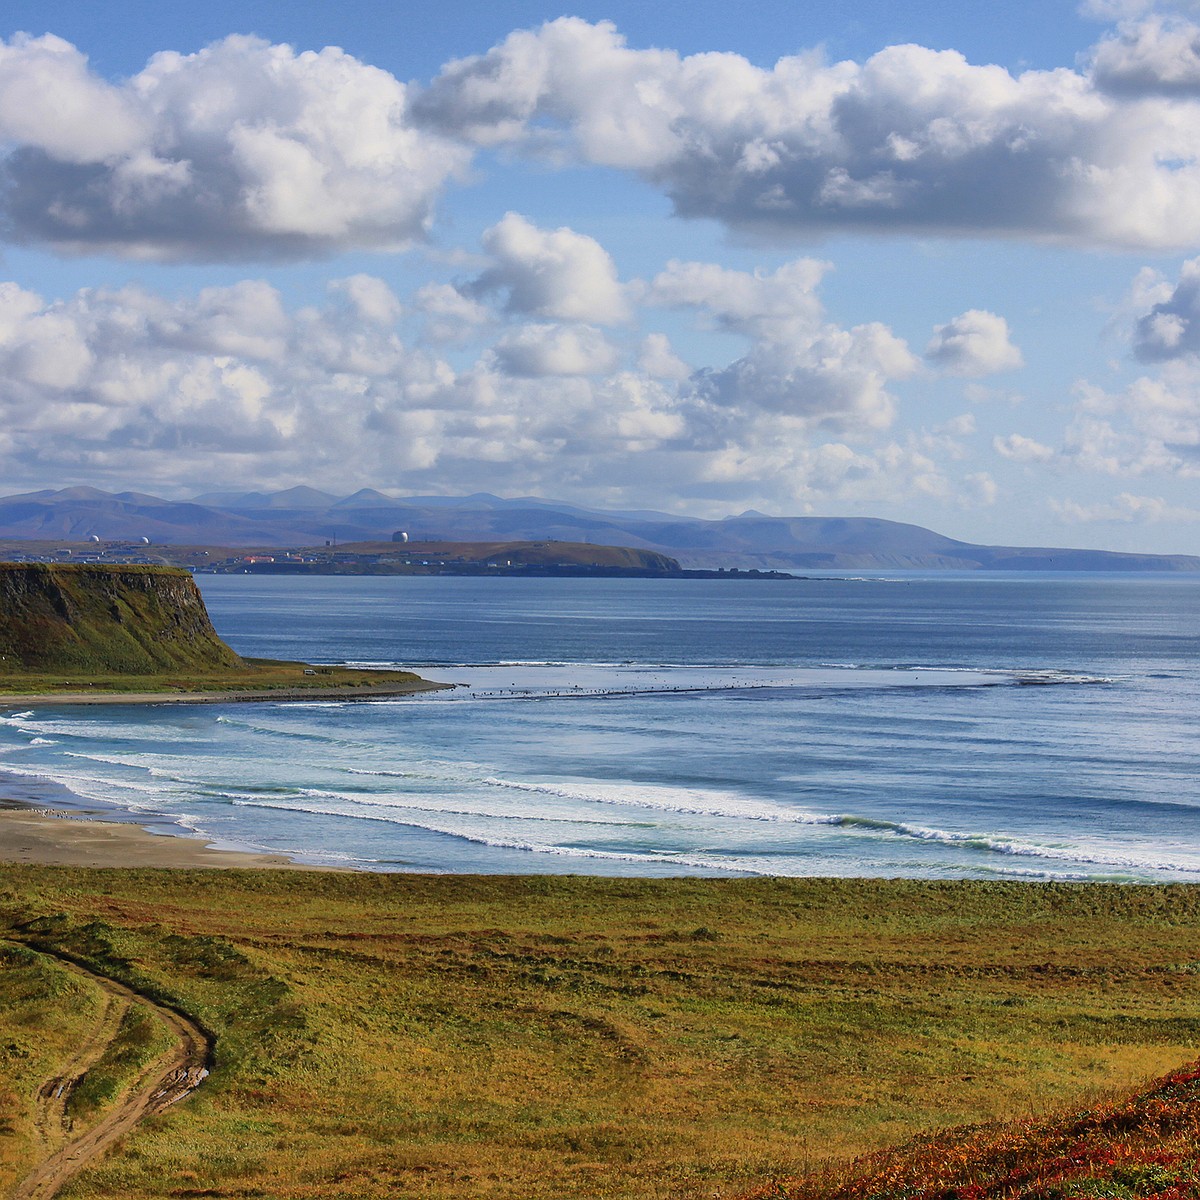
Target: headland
137,634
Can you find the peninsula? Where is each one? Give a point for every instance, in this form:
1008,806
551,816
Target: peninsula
100,633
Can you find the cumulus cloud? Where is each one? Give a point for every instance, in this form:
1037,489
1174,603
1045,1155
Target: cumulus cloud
371,298
1159,56
560,274
983,488
1126,508
1171,329
449,315
799,365
537,350
975,343
658,360
251,150
1152,426
50,99
912,139
1022,449
233,383
242,150
112,378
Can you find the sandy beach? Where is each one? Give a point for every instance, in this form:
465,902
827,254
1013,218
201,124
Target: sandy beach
54,838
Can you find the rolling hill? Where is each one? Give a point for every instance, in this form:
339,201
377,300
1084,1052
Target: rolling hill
303,516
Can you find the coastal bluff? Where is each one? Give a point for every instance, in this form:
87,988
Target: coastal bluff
105,620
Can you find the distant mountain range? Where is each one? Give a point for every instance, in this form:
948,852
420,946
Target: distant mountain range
303,516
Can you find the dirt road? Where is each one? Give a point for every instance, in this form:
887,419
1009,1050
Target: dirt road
167,1079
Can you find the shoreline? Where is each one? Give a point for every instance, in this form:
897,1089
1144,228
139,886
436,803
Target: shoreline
366,692
54,837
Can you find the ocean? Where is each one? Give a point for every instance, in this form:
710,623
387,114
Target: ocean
994,726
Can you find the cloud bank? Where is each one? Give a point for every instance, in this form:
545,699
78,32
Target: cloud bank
231,383
912,140
246,150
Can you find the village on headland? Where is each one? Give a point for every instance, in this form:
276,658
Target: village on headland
400,556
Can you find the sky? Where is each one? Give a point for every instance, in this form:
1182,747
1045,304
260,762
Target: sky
870,258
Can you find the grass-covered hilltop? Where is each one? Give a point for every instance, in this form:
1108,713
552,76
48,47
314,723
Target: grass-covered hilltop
96,630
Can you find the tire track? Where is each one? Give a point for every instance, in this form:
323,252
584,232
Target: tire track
163,1082
51,1121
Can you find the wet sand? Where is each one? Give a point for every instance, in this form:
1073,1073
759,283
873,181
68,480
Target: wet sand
52,838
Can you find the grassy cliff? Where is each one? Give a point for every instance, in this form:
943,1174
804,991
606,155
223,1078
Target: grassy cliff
102,620
93,633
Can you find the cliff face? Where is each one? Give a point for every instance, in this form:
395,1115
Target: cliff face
99,620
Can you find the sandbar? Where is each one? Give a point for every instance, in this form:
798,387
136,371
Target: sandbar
53,838
360,692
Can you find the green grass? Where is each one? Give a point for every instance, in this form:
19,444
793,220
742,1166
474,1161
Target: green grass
565,1037
140,1039
43,1010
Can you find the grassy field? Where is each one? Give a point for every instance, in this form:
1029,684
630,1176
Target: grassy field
566,1037
1144,1146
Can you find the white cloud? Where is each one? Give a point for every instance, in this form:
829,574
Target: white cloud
241,150
910,140
1022,449
450,316
1171,329
798,365
232,384
251,150
537,350
1125,508
370,297
975,343
1152,426
50,100
560,274
658,360
982,488
1157,56
961,426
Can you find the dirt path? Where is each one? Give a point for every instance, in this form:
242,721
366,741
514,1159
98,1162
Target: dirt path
51,1120
167,1079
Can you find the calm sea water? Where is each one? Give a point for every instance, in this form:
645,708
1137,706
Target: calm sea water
984,726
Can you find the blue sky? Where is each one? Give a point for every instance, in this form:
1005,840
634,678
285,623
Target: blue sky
875,259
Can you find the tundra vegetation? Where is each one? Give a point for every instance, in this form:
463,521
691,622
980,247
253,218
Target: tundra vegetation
538,1037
